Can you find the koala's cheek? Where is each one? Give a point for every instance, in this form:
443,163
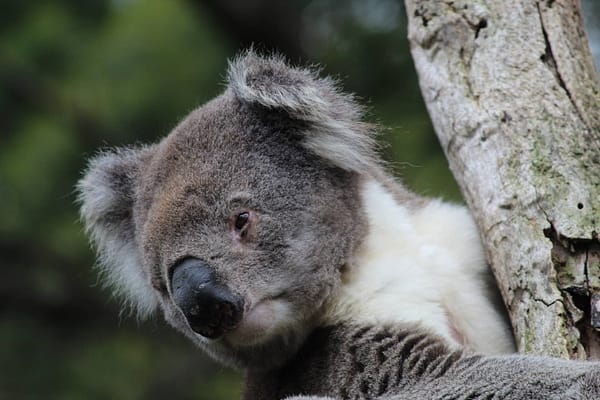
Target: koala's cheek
262,322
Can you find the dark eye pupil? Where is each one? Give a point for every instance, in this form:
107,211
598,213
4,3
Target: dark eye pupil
241,220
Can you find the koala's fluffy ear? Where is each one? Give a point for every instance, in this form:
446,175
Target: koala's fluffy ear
106,195
336,129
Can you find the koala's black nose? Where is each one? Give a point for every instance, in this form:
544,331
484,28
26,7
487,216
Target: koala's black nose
209,306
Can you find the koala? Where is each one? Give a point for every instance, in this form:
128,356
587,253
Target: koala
266,229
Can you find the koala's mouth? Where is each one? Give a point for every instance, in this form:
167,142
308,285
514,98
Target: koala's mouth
261,321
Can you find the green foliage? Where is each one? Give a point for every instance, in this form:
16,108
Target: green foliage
74,78
143,72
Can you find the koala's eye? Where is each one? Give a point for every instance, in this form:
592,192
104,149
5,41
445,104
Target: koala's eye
241,220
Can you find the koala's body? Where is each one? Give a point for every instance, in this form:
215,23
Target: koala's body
265,221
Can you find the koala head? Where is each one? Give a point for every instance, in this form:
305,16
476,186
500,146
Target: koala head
239,223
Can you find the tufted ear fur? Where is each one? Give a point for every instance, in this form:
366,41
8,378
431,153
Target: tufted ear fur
106,194
336,130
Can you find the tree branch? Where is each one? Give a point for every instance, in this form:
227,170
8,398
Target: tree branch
513,95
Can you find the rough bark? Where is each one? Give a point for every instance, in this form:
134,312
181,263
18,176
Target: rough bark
514,97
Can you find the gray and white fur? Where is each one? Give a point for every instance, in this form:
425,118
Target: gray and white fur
265,228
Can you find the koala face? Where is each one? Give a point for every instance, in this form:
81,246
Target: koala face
238,224
233,193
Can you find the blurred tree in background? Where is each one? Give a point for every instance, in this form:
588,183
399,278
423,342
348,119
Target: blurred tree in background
79,75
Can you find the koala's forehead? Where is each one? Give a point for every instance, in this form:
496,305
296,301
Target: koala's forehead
223,150
199,149
225,138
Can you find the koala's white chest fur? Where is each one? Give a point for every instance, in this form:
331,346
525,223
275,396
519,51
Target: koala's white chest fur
424,265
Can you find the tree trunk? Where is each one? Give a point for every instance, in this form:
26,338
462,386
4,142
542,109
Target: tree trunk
514,97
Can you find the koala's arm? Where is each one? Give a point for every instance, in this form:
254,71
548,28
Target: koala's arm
506,377
396,363
511,377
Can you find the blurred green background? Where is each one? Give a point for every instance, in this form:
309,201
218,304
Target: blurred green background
80,75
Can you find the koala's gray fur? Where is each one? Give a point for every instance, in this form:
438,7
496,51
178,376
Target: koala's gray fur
404,362
349,285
